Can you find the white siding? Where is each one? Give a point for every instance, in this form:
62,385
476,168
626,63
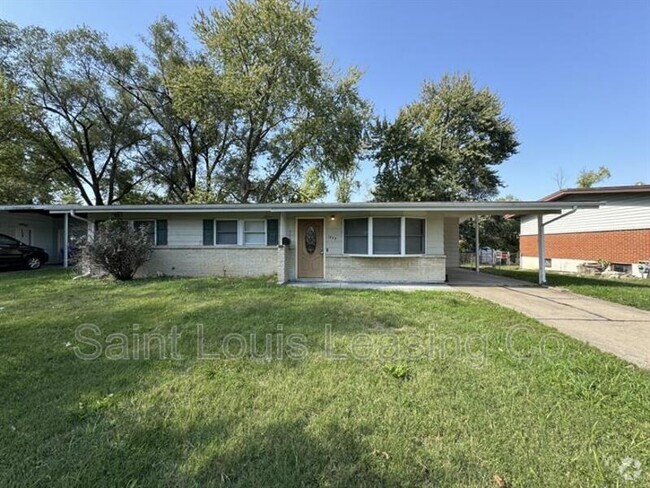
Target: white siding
619,212
186,230
452,242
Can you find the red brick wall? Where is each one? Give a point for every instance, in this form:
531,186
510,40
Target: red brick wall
620,246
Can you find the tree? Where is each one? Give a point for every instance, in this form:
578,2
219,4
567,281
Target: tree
312,188
587,179
346,185
118,248
183,155
288,110
21,180
495,231
560,179
76,118
443,146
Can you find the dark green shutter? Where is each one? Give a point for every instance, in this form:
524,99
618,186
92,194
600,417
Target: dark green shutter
161,232
208,232
272,231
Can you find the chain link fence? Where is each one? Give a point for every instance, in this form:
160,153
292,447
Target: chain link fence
489,257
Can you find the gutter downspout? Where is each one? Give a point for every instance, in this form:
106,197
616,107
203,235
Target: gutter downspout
65,240
477,244
541,244
66,233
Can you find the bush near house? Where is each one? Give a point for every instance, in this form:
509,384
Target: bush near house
118,248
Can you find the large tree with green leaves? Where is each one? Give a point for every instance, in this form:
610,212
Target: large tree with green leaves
77,119
495,231
444,146
287,111
185,155
23,175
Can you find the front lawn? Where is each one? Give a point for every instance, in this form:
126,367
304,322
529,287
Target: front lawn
632,292
408,389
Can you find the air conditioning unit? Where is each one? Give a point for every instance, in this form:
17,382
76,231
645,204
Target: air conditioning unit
644,268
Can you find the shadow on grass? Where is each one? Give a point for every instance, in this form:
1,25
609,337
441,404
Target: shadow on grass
212,452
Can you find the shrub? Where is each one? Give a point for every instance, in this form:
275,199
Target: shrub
118,248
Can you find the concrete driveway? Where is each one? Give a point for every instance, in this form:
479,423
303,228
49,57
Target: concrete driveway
617,329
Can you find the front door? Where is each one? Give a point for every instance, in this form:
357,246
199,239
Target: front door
310,248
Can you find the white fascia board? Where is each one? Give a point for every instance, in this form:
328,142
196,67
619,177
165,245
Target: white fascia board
453,208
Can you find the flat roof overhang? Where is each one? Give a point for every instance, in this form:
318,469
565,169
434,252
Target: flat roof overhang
460,209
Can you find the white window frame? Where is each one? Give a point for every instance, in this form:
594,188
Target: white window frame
243,232
402,237
155,228
214,232
424,235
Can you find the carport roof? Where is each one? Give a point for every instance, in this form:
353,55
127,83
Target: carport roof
453,208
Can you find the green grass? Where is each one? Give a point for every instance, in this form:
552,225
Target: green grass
456,417
628,291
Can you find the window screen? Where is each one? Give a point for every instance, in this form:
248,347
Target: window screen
386,236
255,232
355,236
226,231
414,236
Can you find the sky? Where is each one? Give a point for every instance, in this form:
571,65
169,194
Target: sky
574,76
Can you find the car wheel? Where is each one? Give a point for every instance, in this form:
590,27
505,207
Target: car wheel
33,262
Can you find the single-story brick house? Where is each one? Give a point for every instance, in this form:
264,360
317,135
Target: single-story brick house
618,231
370,242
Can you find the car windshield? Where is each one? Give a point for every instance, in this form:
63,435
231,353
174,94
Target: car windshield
8,241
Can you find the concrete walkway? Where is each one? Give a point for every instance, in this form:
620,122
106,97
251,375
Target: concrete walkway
359,285
617,329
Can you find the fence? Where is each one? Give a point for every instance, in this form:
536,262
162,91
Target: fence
489,257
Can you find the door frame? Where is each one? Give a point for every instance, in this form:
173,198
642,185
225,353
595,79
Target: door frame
29,228
324,246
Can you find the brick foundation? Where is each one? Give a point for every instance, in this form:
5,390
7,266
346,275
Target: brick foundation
622,246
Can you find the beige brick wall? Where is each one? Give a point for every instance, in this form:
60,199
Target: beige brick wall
213,261
283,269
422,269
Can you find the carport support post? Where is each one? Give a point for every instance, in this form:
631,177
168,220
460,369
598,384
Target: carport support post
478,245
65,240
541,250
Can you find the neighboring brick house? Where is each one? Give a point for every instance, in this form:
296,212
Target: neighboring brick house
618,231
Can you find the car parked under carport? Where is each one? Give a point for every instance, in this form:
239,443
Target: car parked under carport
14,253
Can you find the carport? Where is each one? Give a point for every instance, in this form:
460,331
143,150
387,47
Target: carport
41,226
544,211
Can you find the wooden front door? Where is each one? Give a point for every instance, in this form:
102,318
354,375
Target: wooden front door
310,247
